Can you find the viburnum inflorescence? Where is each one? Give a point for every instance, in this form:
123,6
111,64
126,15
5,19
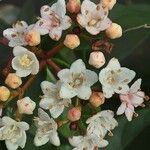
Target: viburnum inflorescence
75,89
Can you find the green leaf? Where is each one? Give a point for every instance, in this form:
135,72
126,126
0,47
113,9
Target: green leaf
126,132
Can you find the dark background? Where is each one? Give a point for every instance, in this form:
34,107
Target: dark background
139,61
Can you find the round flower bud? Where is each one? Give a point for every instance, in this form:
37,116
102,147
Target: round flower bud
73,6
97,59
13,81
114,31
26,106
33,38
97,99
4,93
108,3
74,114
72,41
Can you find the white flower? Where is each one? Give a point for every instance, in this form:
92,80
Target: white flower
93,17
46,130
115,79
26,106
77,81
24,62
51,100
53,20
16,35
13,133
132,99
101,123
88,142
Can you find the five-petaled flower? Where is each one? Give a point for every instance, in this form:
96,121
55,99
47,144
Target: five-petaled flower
51,100
77,81
132,99
16,35
13,133
53,20
46,130
93,17
115,79
24,62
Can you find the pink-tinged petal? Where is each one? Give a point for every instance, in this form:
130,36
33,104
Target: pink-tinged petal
21,26
104,24
137,98
129,112
82,20
45,11
93,30
66,23
124,98
55,33
136,86
59,8
84,92
121,109
88,7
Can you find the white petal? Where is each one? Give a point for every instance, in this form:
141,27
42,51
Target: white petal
19,50
122,89
78,66
10,145
104,24
59,8
54,139
21,26
64,75
114,64
75,140
56,111
93,30
108,92
82,20
121,109
43,115
23,125
67,92
7,120
66,23
22,141
136,86
35,67
87,5
55,33
45,11
84,92
23,73
39,141
101,143
129,113
8,33
46,102
91,77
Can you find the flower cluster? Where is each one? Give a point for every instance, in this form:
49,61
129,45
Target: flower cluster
74,87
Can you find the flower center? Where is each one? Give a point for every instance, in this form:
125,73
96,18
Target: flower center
112,77
93,22
55,20
77,81
25,61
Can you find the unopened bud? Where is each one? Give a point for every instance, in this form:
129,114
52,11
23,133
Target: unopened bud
33,38
108,3
72,41
13,81
114,31
97,99
73,6
4,93
26,106
74,114
97,59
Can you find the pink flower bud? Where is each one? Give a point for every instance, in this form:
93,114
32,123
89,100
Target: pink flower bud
4,93
97,99
108,3
72,41
114,31
74,114
33,38
97,59
26,106
73,6
13,81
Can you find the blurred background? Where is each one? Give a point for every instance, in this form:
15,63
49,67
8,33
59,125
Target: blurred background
133,49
